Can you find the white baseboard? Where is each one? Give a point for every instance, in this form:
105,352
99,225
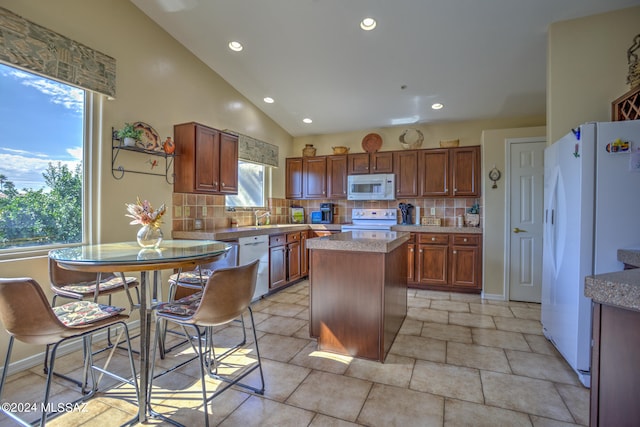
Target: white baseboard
496,297
71,346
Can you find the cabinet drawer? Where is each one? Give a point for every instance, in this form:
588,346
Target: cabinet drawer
466,239
433,238
412,237
293,237
277,240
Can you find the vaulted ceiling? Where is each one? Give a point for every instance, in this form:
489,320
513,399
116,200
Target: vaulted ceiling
478,58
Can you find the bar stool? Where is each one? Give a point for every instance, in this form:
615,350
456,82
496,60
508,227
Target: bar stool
27,317
226,296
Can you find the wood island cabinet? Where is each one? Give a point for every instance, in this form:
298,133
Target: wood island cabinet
206,160
441,261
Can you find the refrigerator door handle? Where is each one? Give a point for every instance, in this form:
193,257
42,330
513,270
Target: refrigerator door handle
546,211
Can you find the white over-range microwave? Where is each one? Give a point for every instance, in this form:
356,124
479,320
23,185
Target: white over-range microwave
379,186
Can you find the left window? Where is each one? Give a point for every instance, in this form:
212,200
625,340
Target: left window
41,153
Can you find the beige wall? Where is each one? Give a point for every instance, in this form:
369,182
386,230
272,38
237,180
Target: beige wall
587,68
468,132
493,154
158,82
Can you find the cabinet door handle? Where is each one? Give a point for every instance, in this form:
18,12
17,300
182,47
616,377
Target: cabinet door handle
433,239
465,239
411,250
519,230
455,252
420,250
222,184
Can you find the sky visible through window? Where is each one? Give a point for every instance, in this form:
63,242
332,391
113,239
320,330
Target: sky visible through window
41,122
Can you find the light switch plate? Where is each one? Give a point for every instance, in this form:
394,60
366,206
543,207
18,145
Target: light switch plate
187,211
204,211
433,211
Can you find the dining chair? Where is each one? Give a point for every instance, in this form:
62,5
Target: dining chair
226,296
185,283
79,286
27,317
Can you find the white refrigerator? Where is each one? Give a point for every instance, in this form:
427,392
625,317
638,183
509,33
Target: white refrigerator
591,209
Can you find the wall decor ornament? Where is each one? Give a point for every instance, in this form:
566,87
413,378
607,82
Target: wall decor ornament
633,78
411,139
494,175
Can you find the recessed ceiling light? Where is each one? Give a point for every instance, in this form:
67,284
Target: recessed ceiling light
307,120
368,24
437,106
235,46
268,100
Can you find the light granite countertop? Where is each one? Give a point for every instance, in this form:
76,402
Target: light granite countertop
360,241
621,288
236,232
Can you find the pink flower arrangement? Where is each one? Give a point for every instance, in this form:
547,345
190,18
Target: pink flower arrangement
144,214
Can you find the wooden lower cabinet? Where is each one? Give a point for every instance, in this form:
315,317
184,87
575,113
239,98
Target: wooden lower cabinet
448,262
277,261
287,258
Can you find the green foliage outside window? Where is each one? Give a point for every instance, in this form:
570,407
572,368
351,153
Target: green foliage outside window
38,217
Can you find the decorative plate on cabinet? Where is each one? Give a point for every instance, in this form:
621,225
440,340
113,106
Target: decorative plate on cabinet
150,139
371,143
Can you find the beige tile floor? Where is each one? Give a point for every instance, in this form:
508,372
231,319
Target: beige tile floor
458,361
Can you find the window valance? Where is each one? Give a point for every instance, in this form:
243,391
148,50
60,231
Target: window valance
32,47
256,151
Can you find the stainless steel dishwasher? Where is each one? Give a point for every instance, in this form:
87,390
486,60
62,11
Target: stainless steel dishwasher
252,248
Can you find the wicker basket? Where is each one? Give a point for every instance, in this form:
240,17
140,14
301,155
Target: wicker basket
340,150
450,143
431,220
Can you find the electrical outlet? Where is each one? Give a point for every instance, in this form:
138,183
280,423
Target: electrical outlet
433,211
204,211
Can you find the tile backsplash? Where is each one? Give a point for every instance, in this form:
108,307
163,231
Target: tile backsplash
210,213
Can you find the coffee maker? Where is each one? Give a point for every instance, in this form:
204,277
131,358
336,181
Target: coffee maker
326,213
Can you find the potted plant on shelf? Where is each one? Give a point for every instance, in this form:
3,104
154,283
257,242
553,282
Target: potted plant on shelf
129,135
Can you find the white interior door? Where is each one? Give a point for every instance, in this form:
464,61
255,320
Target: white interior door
526,209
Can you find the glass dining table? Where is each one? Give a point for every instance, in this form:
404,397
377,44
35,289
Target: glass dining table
129,257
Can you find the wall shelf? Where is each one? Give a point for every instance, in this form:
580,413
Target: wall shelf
119,171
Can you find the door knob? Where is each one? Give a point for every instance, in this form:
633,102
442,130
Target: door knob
519,230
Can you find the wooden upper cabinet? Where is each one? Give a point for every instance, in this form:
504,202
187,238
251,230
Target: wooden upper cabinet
293,183
434,173
405,167
465,171
314,177
358,163
206,160
362,163
337,177
381,162
228,163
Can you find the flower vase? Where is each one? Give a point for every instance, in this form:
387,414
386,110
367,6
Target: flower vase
149,236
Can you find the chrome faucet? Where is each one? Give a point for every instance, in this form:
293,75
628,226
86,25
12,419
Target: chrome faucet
259,216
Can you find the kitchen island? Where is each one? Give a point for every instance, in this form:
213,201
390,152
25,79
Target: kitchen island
358,291
615,374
